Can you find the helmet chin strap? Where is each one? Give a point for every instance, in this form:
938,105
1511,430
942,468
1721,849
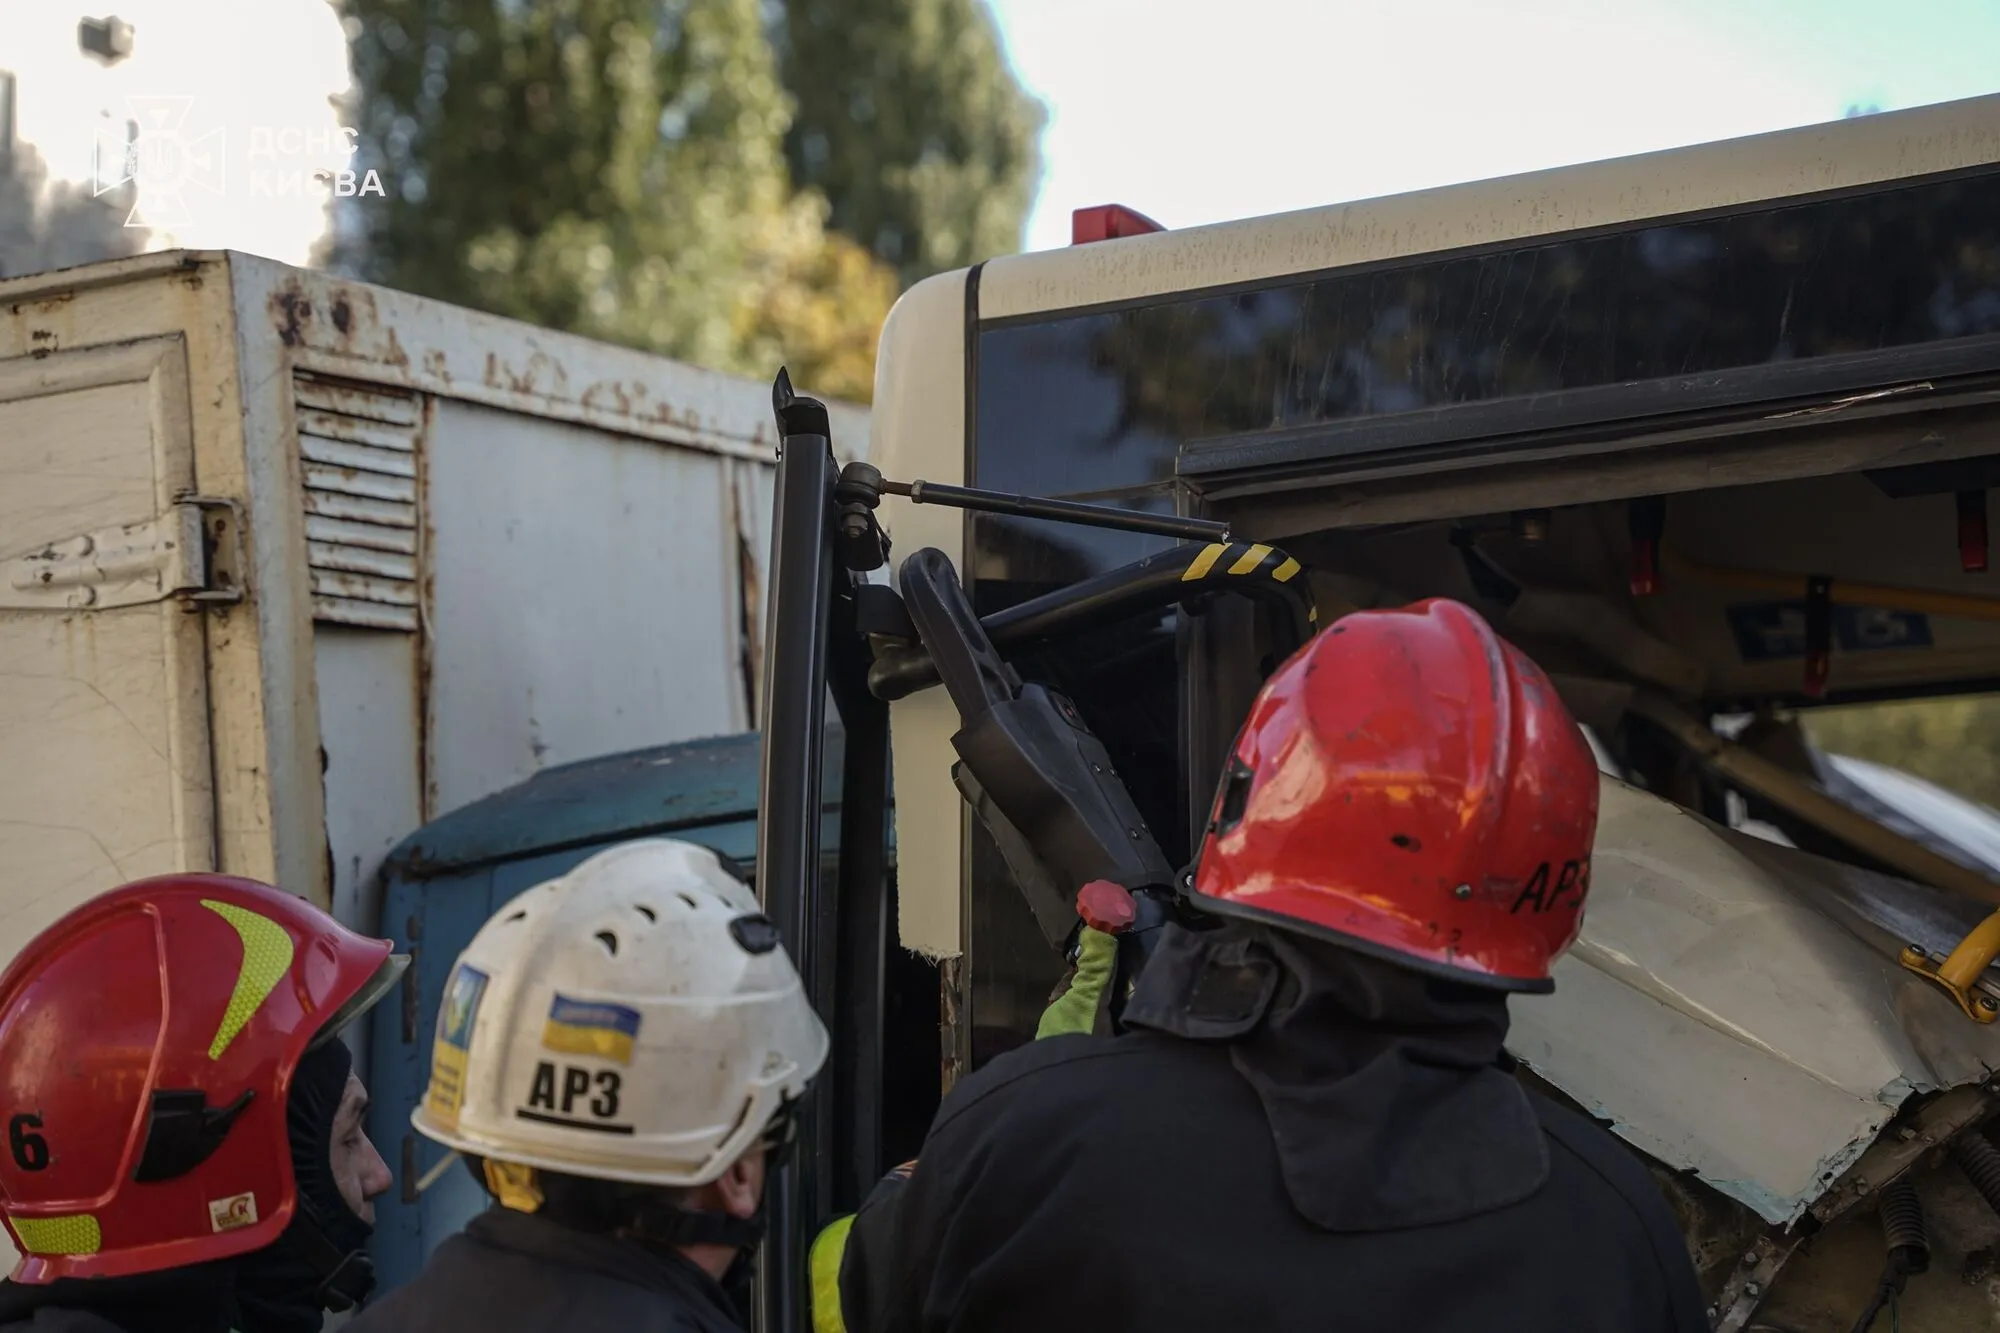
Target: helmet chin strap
670,1225
680,1227
676,1228
346,1275
316,1266
684,1226
743,1233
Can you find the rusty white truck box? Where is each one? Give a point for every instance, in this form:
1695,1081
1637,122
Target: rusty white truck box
290,565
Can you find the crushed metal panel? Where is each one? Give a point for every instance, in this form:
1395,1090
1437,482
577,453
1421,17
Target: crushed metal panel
358,457
1728,1018
1664,1081
1964,831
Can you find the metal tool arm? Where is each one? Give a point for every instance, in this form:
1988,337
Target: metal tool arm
1033,772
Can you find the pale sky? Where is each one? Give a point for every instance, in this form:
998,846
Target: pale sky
232,76
1191,111
1196,111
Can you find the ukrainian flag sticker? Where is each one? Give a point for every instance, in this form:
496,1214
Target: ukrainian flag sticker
454,1039
588,1027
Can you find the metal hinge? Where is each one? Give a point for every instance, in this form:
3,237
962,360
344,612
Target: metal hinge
192,553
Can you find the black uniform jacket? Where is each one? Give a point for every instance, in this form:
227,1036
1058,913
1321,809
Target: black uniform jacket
511,1272
1341,1152
198,1299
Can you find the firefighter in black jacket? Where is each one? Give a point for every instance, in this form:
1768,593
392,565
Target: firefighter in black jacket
616,1057
1310,1122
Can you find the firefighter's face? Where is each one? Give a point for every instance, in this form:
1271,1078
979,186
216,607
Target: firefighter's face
740,1191
358,1169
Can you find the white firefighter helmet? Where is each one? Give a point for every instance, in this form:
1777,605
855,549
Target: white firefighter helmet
633,1020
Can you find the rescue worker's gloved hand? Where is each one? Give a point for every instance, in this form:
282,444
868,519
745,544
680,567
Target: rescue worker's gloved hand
1081,1003
1080,999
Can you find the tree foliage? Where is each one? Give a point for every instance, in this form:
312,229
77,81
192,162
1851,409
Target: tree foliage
910,121
610,167
818,302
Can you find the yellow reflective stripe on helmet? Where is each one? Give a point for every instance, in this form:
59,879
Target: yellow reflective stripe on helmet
267,956
1286,572
824,1264
76,1234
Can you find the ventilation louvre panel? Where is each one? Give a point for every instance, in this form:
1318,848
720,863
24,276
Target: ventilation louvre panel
358,457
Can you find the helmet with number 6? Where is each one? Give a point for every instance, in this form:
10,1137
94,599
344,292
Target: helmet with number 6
634,1020
148,1044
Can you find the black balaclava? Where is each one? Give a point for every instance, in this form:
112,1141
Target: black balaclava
321,1261
1388,1095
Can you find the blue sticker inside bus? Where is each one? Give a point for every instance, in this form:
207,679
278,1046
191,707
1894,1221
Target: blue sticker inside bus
1770,631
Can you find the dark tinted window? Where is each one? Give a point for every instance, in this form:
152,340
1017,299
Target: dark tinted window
1104,400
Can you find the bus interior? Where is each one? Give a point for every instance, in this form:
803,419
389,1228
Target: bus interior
1740,1007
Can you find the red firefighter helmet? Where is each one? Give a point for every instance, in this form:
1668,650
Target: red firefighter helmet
147,1043
1410,786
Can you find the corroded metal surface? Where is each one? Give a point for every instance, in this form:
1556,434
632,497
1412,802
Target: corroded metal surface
369,333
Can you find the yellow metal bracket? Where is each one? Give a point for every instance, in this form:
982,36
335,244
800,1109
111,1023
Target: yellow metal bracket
1959,973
